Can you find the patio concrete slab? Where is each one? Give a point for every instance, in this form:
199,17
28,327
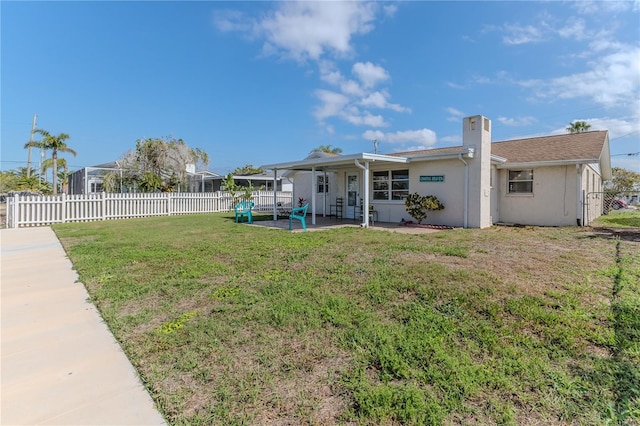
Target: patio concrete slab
324,223
60,363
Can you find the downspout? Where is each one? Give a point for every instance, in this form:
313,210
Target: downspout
365,208
466,190
579,212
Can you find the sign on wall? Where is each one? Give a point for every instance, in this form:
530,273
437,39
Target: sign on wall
432,178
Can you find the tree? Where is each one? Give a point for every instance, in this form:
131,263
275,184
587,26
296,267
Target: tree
160,164
63,171
327,149
623,180
22,179
418,205
578,127
247,169
238,192
8,181
55,143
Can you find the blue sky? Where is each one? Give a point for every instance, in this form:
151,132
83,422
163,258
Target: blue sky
261,82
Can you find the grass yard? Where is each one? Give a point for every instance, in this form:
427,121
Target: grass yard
234,324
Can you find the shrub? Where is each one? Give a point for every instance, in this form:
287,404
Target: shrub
418,205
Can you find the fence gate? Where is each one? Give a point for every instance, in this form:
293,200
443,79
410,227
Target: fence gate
599,203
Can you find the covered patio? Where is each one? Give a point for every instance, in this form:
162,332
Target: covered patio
323,165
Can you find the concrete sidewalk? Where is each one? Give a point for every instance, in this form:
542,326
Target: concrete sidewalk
60,363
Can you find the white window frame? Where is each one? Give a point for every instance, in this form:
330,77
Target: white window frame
519,177
384,183
322,187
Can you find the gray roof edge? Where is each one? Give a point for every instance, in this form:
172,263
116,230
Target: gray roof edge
337,160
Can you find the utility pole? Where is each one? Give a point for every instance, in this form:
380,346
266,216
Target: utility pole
375,146
33,128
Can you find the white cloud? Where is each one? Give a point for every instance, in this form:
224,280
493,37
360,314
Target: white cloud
521,34
455,115
369,74
390,9
332,104
588,7
322,31
355,117
617,127
455,85
425,138
379,99
353,94
612,80
574,29
517,121
308,30
452,139
231,20
329,73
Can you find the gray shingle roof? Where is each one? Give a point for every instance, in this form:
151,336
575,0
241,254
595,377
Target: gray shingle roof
571,146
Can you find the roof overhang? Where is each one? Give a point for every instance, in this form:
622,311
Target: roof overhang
532,164
467,151
605,160
496,159
341,161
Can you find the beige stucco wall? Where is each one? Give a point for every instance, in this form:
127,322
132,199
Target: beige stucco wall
556,200
553,202
303,188
592,188
448,192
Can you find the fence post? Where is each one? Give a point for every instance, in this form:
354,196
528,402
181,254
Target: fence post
14,213
103,205
168,203
63,208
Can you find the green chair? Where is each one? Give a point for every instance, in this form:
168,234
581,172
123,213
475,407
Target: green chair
244,209
299,213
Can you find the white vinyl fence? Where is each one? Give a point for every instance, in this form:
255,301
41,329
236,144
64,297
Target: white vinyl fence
23,211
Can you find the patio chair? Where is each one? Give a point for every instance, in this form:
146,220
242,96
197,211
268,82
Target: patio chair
299,213
244,209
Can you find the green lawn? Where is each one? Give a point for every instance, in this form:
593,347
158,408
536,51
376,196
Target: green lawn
234,324
622,219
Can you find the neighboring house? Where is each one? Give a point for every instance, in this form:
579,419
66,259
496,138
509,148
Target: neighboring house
533,181
89,180
258,181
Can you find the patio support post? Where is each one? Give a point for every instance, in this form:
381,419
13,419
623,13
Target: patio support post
365,208
313,195
325,188
275,194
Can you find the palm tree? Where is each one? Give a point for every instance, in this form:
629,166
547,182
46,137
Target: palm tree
62,172
328,149
56,143
578,127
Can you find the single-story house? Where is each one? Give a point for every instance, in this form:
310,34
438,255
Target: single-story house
90,180
534,181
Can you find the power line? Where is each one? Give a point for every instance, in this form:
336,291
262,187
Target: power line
631,154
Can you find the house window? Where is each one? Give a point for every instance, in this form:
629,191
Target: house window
391,185
322,184
521,181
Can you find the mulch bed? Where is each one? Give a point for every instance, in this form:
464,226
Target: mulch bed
423,225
